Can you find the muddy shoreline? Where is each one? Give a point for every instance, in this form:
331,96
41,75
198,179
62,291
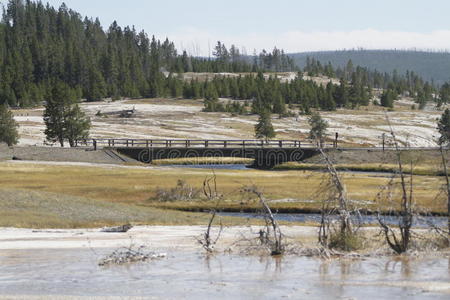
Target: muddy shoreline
63,264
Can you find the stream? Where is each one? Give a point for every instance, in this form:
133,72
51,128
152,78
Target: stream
421,222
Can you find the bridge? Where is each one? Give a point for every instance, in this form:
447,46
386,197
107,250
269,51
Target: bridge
266,154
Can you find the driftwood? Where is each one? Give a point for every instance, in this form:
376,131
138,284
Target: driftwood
129,255
127,113
123,228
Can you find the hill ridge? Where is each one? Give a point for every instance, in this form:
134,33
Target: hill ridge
432,66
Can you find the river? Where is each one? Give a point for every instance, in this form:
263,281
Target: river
420,222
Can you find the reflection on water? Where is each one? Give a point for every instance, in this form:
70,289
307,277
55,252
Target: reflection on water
194,276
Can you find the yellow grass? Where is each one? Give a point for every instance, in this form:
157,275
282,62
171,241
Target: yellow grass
138,186
37,209
364,167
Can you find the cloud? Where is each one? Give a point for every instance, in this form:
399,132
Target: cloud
197,41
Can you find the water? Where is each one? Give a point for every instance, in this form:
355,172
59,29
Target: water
215,167
193,276
423,222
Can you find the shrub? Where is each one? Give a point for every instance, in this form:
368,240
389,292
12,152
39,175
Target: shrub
181,192
345,241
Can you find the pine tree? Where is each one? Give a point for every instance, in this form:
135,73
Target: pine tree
264,128
387,98
8,126
421,98
57,108
211,91
444,128
329,103
318,128
279,106
96,89
257,106
76,125
349,69
341,94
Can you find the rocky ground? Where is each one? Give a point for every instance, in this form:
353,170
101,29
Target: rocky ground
184,119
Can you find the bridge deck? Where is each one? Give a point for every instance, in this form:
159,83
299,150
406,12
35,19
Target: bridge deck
238,144
176,143
266,154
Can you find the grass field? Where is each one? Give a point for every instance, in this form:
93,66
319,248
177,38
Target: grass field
111,188
367,167
37,209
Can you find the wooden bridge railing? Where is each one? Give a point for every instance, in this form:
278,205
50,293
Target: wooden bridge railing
174,143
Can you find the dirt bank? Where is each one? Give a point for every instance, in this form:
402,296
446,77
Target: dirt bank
5,152
349,156
57,154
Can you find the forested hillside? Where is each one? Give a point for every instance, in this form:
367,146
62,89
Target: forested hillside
40,45
429,65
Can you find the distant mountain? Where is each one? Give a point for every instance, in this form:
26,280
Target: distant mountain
429,65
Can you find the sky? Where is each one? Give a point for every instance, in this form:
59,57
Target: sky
294,25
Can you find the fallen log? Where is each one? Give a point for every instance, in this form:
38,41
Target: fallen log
123,228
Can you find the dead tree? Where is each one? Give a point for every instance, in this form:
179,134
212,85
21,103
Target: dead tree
332,235
443,232
272,236
210,191
341,196
400,243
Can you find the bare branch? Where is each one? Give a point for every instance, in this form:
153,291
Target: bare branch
400,243
277,247
207,242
